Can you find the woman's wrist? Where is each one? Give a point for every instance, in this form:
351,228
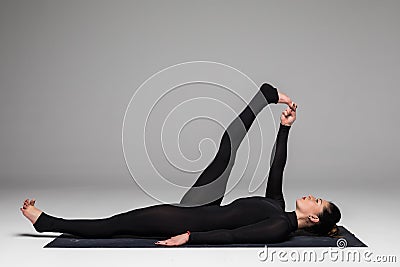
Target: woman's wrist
286,125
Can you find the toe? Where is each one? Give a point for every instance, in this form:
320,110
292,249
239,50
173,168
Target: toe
293,106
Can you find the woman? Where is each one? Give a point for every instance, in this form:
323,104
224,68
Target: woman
199,218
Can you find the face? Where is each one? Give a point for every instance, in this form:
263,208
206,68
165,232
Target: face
310,205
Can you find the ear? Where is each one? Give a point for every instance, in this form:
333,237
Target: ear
313,218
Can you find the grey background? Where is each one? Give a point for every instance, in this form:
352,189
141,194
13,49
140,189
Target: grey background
69,68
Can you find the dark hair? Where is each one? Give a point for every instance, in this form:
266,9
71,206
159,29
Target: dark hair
327,222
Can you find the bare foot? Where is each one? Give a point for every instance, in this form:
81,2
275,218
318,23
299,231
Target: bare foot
285,99
30,211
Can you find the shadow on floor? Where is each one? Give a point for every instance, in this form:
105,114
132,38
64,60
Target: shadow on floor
36,235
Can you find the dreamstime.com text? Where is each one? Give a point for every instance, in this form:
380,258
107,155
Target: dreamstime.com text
333,254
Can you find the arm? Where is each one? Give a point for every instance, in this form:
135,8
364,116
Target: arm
279,156
267,231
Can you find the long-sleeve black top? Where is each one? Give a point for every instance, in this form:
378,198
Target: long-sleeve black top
261,219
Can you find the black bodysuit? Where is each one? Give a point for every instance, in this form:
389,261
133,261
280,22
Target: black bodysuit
254,219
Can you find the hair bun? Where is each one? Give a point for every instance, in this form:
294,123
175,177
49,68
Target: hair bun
334,231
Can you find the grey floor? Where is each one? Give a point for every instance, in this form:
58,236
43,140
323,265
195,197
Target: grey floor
372,217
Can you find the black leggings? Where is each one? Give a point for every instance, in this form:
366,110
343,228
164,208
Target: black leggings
198,210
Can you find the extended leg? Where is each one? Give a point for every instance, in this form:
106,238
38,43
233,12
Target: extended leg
163,220
209,189
153,221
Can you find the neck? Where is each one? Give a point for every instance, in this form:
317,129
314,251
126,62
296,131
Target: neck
302,219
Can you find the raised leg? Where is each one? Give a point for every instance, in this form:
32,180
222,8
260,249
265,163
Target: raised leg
209,188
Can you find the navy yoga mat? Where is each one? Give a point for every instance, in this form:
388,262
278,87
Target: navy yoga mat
297,239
